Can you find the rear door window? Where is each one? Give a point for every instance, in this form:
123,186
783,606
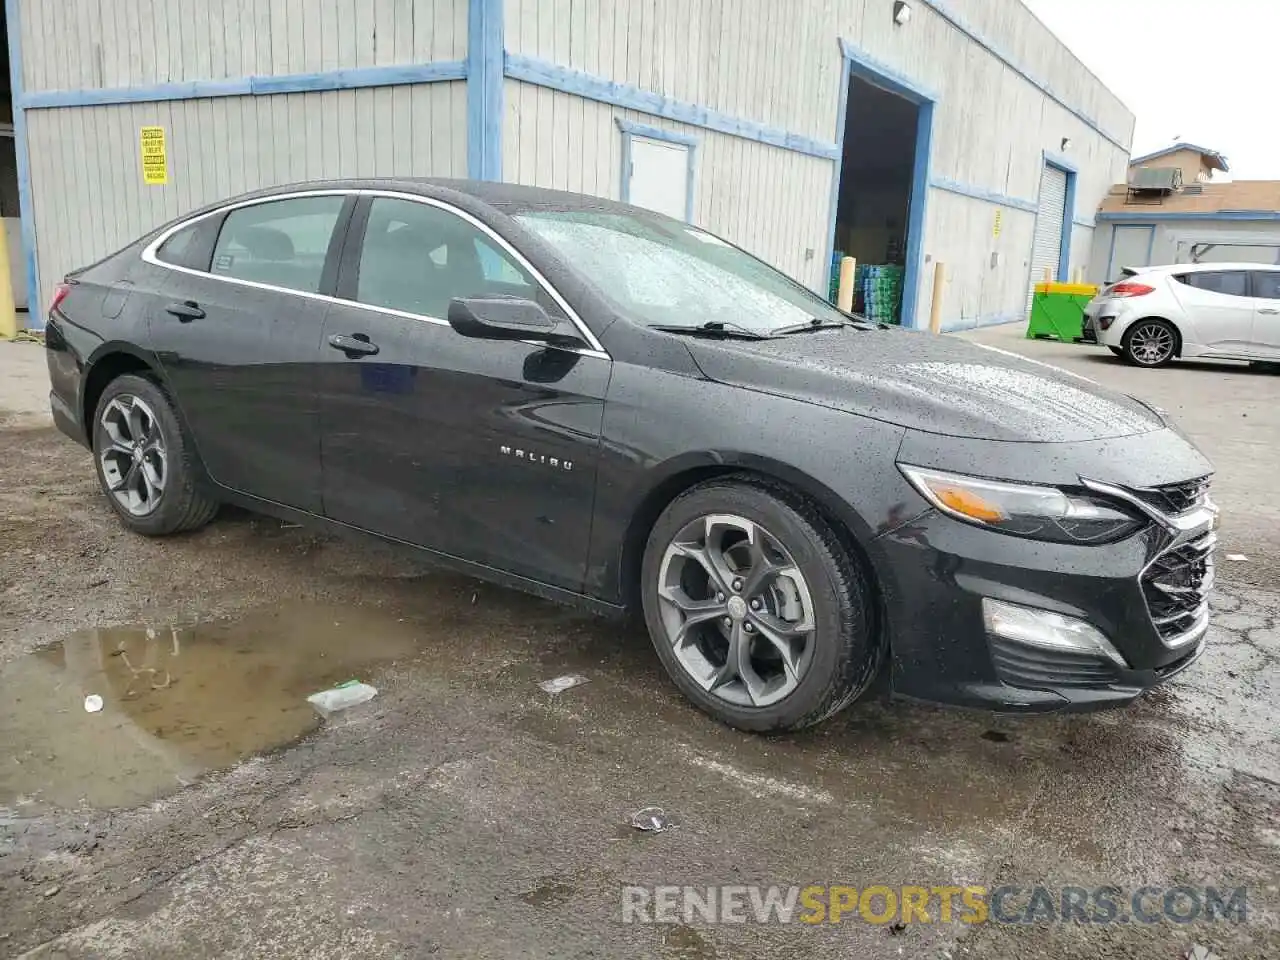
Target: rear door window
282,243
1231,283
1266,284
417,257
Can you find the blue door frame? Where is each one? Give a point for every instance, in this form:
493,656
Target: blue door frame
857,63
1059,162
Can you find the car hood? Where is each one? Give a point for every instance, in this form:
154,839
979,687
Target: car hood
936,384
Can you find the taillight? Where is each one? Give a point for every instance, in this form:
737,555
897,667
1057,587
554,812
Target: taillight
59,294
1130,289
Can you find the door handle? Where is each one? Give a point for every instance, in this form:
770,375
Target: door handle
185,310
354,346
1267,310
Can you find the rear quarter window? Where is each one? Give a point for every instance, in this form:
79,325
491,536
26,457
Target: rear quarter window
1231,283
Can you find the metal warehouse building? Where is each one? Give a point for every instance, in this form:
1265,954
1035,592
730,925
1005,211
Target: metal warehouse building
900,133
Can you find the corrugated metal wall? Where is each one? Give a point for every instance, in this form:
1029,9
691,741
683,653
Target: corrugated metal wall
772,202
780,64
86,177
79,44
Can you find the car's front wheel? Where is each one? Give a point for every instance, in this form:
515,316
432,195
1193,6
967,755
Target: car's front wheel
1150,343
145,463
756,609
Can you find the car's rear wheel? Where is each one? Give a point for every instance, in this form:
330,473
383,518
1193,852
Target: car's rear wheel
144,462
1150,343
756,609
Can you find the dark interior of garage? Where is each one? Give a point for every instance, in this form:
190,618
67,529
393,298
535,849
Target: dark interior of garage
875,196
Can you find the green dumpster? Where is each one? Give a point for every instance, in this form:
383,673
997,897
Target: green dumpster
1057,310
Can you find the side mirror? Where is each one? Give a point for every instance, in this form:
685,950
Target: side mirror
500,318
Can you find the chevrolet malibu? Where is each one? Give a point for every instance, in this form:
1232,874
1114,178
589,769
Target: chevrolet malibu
607,407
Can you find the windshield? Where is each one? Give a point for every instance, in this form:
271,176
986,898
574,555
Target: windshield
660,272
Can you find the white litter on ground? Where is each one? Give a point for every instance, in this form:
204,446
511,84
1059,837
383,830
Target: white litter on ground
342,697
92,703
1237,557
561,684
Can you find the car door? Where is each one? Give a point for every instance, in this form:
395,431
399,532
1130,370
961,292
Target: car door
481,449
238,336
1266,318
1219,306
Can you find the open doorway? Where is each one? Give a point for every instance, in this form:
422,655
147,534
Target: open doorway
9,213
873,209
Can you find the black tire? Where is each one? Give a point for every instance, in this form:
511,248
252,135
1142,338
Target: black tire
180,505
1117,351
1131,353
847,652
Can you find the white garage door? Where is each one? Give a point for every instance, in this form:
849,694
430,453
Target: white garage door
660,176
1046,249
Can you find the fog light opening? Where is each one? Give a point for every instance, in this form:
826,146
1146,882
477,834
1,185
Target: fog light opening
1047,630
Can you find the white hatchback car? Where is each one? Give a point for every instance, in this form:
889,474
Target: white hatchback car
1229,311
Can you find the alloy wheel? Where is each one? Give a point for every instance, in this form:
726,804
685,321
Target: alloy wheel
134,461
736,610
1152,343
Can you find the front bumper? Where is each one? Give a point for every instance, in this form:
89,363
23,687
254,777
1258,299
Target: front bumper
943,652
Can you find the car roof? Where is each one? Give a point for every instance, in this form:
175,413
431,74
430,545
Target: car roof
511,198
1203,267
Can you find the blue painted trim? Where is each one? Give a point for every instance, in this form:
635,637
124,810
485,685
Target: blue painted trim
485,39
249,86
542,73
1111,256
629,130
1059,162
858,63
916,216
655,133
837,171
882,75
981,193
361,77
944,11
1151,245
1145,216
26,210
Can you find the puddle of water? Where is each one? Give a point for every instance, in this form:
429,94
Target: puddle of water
178,701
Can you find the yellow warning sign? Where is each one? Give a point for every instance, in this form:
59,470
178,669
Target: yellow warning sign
155,165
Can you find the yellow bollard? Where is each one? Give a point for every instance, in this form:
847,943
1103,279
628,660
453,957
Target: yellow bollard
844,296
8,315
935,309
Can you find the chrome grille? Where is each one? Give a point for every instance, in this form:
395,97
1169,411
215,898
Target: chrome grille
1177,498
1176,585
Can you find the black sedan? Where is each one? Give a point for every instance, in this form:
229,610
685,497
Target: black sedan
608,407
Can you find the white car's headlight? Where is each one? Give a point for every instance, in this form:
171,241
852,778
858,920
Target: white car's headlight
1023,510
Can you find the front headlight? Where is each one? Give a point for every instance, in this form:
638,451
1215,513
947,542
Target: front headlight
1041,513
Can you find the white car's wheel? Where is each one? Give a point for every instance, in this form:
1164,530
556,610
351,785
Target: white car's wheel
1150,343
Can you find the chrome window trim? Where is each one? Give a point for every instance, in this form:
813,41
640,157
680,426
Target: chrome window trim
594,349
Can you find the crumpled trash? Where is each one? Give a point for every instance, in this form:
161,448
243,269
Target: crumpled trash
92,703
1198,952
651,820
341,697
561,684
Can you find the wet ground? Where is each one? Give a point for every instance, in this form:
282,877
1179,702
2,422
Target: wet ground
206,810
